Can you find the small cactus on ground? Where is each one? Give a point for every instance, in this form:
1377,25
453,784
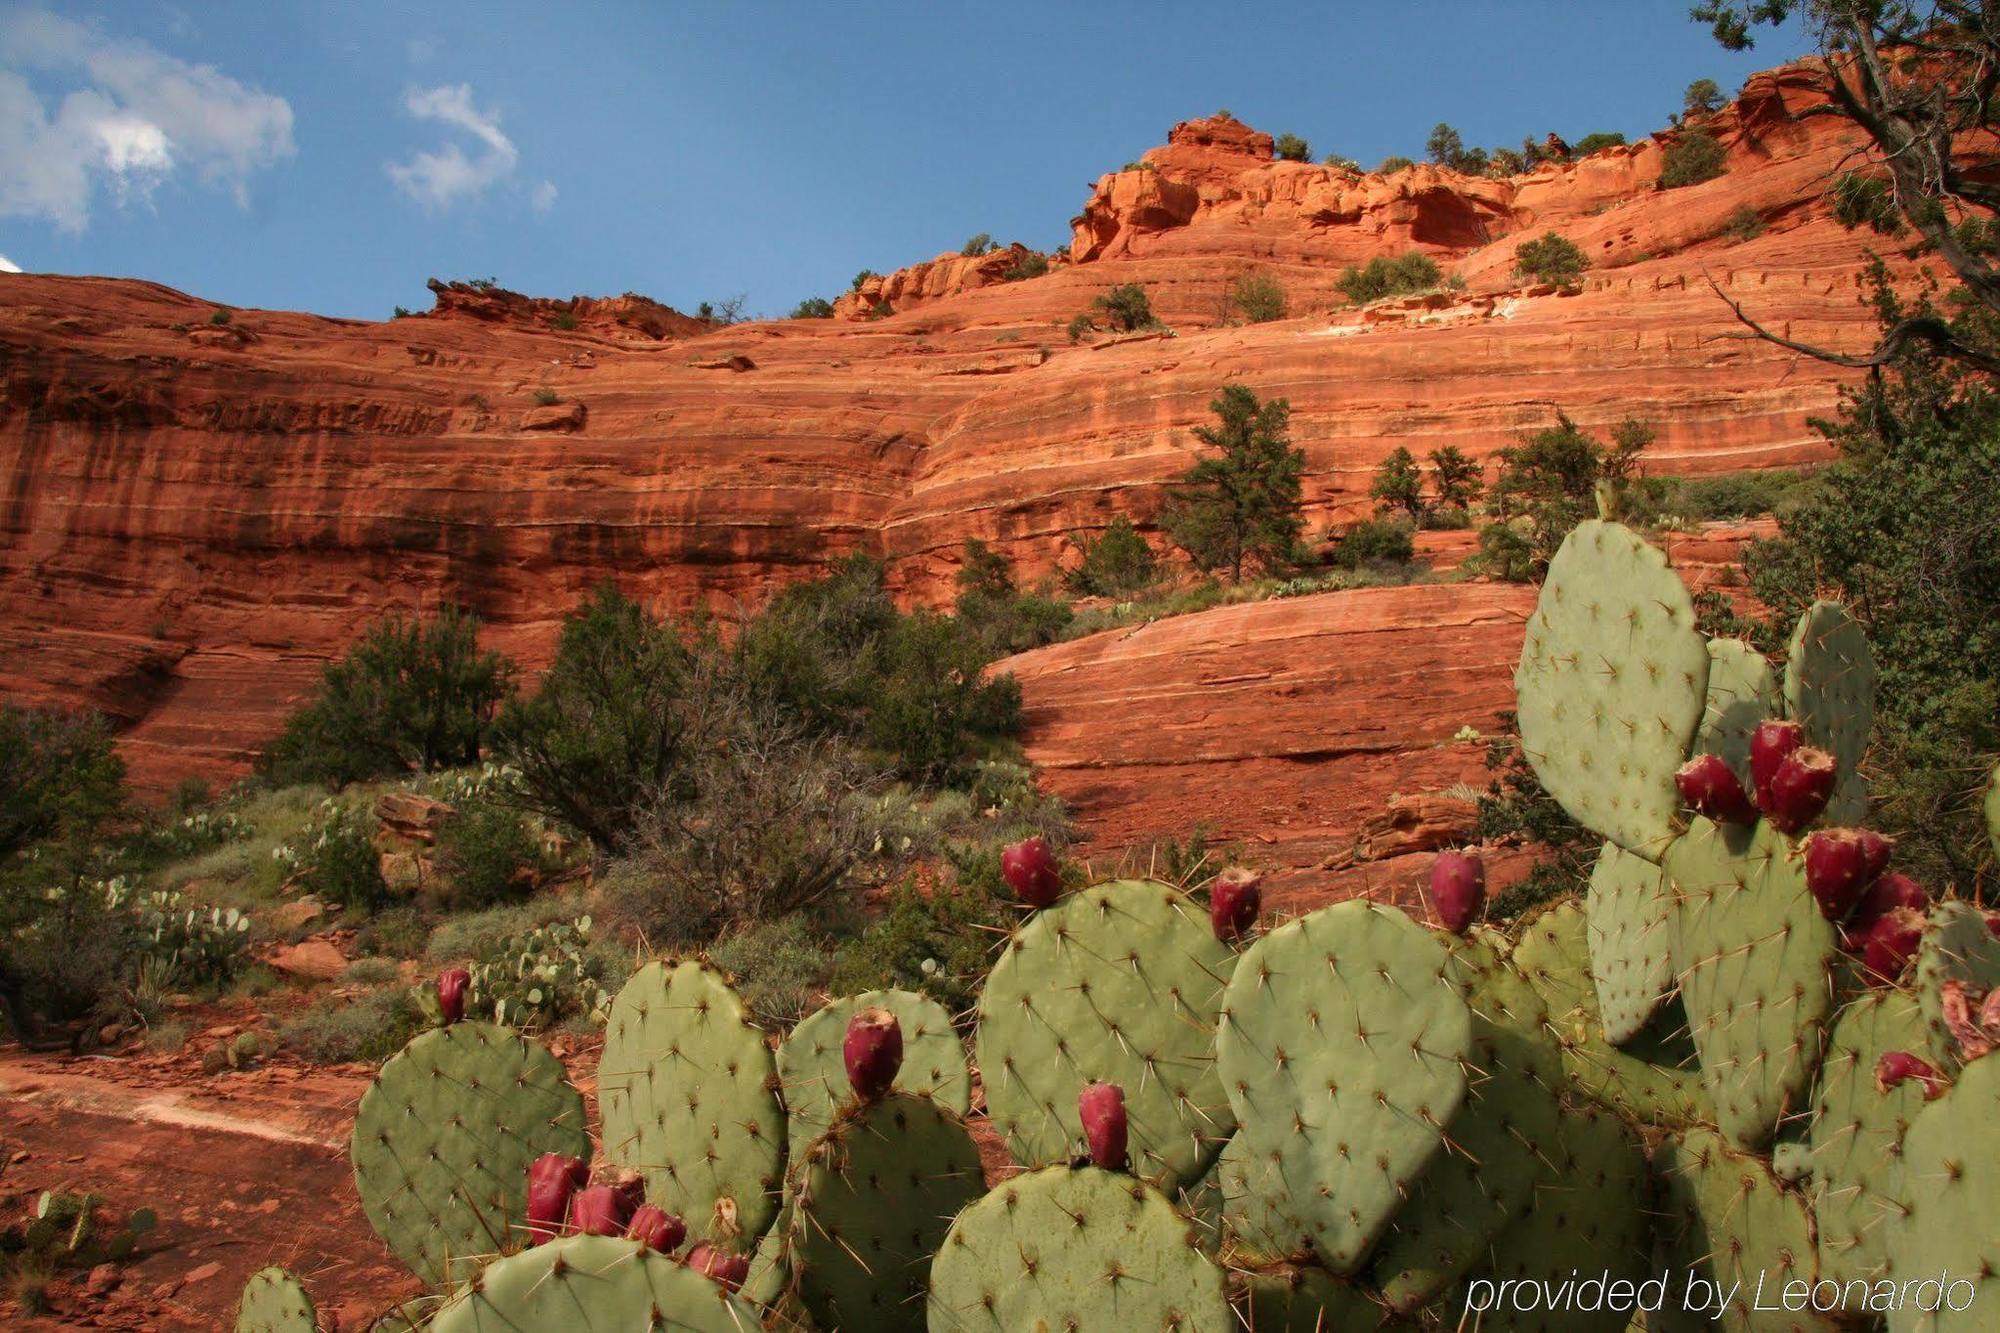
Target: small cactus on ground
273,1301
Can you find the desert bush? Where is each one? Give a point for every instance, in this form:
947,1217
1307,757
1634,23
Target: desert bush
545,975
781,969
1241,504
546,397
934,706
371,971
1117,564
1126,307
1031,265
1692,158
1551,258
186,946
395,932
1591,143
467,935
59,777
335,859
1375,541
1703,97
1259,296
1547,485
489,853
1744,224
939,941
1081,327
997,614
1446,518
1455,477
368,1027
813,307
1407,273
1290,147
982,244
1392,164
1398,484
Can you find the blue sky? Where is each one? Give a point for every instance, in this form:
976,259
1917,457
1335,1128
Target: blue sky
331,157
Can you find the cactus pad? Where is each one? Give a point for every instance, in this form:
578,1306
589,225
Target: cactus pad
1857,1135
1075,1248
593,1284
1957,945
1954,1178
815,1078
1344,1048
687,1090
1302,1298
1754,956
1654,1077
1494,1151
1742,691
1992,808
1631,945
1611,685
1119,983
875,1197
443,1139
274,1302
770,1273
1730,1220
1256,1211
1830,691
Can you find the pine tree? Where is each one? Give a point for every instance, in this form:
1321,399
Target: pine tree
1243,504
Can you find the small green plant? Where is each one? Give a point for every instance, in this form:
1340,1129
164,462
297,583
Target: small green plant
813,307
1866,201
565,321
370,1027
881,310
1392,164
1703,98
979,245
1259,297
1081,327
1375,541
546,397
1291,148
1694,157
335,859
221,316
938,941
1030,265
1551,258
1126,307
863,276
781,969
1399,484
1381,277
189,946
1745,224
543,976
489,853
402,312
1597,141
1119,563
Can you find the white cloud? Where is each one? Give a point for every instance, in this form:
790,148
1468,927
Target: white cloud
132,117
441,178
8,266
543,197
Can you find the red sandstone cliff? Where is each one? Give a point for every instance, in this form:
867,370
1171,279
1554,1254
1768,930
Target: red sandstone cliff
195,515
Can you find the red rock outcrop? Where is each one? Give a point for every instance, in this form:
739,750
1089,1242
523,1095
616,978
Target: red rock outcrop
194,516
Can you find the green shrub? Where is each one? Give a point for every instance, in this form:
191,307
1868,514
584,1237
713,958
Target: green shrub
1551,258
565,321
546,397
1003,619
1407,273
410,694
1591,143
1117,564
940,942
395,932
185,946
1744,224
933,704
470,935
369,1027
1398,484
1547,485
1703,98
1375,541
813,307
336,860
1260,297
1446,518
1455,477
1081,327
982,244
59,778
1291,148
1241,504
781,969
1506,552
1126,307
1030,265
220,317
1692,158
1866,201
1392,164
374,971
489,853
1515,807
863,276
545,975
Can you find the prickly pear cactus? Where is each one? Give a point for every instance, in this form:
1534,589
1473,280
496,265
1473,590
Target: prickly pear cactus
1957,945
771,1262
1075,1248
1485,1177
1611,685
1256,1216
875,1197
444,1137
1654,1078
1345,1048
1830,691
1120,983
600,1284
1304,1298
687,1088
1587,1214
1858,1192
1754,956
1742,691
815,1079
274,1302
1992,808
1730,1220
1631,945
1954,1178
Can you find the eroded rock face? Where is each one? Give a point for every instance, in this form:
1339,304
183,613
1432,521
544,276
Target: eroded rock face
196,516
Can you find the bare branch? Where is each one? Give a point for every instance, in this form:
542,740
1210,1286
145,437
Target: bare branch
1915,328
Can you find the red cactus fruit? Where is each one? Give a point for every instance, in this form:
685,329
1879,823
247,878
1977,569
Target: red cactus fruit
1030,869
719,1266
1710,787
1770,743
1963,1025
1875,852
1102,1108
1234,901
1458,890
1801,788
1891,943
552,1179
1837,870
1993,924
1885,895
631,1187
600,1210
1895,1066
452,984
658,1230
873,1050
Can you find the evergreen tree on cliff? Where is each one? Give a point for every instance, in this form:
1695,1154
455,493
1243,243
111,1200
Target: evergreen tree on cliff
1242,504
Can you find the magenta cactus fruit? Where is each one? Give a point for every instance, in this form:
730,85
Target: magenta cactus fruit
1234,901
1710,787
1102,1109
719,1266
1837,862
1800,789
1458,890
1896,1066
1876,850
657,1229
1030,869
1891,943
1770,745
452,983
552,1179
1892,891
601,1210
873,1052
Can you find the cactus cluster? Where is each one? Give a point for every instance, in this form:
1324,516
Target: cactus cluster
1751,1050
